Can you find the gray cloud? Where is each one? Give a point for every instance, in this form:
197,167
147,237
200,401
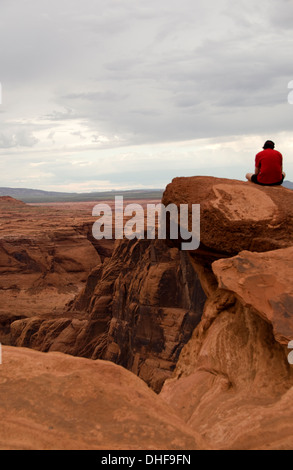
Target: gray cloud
82,76
95,96
18,138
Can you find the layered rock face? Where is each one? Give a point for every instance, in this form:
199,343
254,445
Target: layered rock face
137,309
44,261
233,382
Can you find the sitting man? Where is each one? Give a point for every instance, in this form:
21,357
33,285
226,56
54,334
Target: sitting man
268,167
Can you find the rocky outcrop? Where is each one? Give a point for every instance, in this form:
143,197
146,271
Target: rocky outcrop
137,309
262,282
207,329
234,215
58,402
233,382
11,201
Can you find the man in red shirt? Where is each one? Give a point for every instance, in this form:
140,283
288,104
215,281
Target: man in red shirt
268,167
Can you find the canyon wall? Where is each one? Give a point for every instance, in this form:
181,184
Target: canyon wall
233,382
45,259
206,329
137,309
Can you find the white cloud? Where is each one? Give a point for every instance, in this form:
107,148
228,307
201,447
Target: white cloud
125,87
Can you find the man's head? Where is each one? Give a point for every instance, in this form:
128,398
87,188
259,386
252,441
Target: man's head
269,145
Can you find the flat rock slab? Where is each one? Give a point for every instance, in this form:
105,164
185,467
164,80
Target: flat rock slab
236,215
243,203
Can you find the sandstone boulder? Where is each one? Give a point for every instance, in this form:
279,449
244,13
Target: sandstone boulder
58,402
263,281
235,215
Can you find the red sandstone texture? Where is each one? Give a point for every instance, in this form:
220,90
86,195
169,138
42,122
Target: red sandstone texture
206,329
233,382
137,309
58,402
45,258
234,215
46,254
262,281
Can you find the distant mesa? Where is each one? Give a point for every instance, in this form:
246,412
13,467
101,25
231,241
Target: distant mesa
39,196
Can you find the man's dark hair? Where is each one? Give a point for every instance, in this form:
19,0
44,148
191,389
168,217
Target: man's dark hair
269,144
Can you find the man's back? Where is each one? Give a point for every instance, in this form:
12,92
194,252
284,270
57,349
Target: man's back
270,163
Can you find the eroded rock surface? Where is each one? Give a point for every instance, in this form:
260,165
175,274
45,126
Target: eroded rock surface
209,328
58,402
45,260
262,281
236,215
233,382
137,309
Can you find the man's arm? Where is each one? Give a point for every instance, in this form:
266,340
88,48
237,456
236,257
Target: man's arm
257,164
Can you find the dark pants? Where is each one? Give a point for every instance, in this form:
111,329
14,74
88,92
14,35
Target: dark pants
254,180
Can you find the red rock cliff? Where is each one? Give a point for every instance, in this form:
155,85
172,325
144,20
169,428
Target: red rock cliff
233,382
208,329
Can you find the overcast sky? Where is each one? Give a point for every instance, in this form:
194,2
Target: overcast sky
122,94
